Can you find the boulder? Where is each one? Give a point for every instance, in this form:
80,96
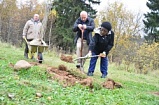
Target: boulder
22,64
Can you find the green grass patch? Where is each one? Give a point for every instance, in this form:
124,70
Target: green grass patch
24,84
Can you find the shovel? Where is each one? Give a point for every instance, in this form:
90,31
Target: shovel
85,57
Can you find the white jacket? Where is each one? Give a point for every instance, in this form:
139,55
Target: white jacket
32,29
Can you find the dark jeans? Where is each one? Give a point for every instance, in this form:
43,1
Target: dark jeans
26,47
103,64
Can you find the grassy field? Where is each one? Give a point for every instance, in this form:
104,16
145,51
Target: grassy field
24,84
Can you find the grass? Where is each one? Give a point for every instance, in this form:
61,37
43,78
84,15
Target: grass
24,84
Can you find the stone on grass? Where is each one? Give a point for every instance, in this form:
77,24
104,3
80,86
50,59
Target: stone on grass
22,64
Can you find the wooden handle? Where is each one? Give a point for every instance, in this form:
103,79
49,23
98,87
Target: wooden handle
81,43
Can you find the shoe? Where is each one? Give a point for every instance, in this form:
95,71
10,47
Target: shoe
103,76
32,57
78,66
89,74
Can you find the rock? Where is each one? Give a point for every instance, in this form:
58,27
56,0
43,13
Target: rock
22,64
49,98
39,95
11,95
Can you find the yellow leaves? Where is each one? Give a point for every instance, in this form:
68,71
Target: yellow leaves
149,55
148,49
54,12
125,42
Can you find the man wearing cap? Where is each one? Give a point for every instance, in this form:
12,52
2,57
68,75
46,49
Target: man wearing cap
102,44
83,25
32,30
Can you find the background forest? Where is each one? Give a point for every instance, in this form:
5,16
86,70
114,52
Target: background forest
136,38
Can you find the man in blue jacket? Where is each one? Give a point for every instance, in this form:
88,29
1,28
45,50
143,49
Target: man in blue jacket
102,44
83,25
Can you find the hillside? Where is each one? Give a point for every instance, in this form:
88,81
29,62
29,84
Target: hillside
36,86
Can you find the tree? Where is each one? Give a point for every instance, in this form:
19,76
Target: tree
67,12
152,21
7,9
126,27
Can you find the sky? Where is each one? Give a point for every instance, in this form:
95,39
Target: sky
132,5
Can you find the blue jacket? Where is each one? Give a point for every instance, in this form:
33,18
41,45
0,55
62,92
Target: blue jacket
87,32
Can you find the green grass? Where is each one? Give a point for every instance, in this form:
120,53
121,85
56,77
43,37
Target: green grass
24,84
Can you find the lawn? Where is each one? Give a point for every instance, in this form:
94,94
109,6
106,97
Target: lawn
21,87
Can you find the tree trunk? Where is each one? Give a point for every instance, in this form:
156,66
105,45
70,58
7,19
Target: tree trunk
9,29
0,28
50,34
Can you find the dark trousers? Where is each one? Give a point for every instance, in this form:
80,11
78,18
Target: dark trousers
103,64
26,47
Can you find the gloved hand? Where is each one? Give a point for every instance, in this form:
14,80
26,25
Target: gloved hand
84,26
23,37
102,54
80,26
89,54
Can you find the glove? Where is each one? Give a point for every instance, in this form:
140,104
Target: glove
84,26
80,26
102,54
23,36
25,39
89,55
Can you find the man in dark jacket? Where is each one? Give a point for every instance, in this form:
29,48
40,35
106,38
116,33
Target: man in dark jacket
83,25
102,44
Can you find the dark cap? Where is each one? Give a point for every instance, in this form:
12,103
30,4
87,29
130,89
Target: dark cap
106,25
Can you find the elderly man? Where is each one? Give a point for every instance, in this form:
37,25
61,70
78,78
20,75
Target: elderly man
83,27
32,30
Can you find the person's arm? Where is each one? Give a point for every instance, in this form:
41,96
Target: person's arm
111,42
75,26
93,41
25,29
41,31
92,25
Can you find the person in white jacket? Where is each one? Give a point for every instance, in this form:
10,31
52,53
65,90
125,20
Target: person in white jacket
32,30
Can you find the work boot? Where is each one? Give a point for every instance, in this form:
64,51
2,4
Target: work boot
103,76
78,66
89,74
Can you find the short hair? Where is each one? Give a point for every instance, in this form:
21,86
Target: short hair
36,15
83,12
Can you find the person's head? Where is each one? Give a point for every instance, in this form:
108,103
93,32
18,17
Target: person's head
105,28
83,16
36,17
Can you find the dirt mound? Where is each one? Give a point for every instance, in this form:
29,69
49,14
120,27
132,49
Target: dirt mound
62,67
111,84
69,78
66,78
87,82
155,93
62,75
66,58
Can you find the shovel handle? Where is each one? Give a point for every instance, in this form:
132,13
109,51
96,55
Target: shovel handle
86,57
